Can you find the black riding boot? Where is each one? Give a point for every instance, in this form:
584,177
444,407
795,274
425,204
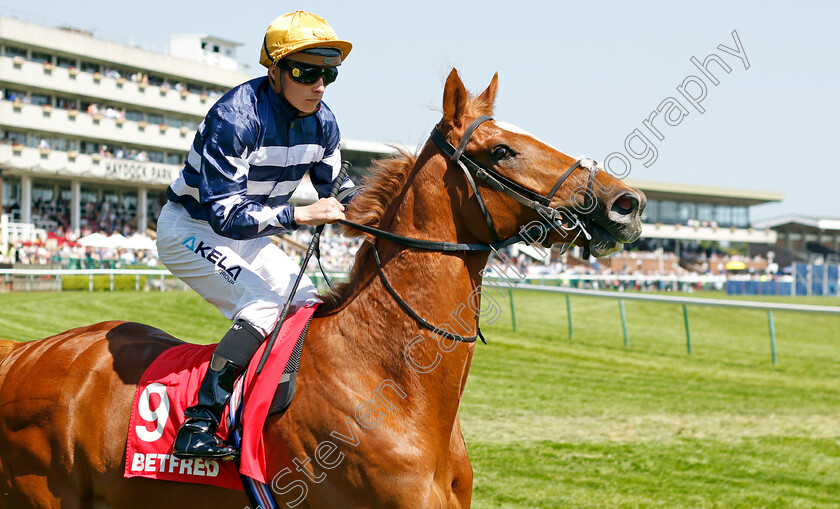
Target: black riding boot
197,436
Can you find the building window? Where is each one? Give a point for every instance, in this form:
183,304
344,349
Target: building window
174,122
134,115
740,217
175,159
10,194
723,215
651,213
41,194
89,147
11,95
155,156
154,119
667,212
41,57
687,212
90,67
65,62
13,51
88,196
33,140
59,144
66,104
705,213
39,99
15,137
215,48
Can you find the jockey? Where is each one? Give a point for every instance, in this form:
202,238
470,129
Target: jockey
248,157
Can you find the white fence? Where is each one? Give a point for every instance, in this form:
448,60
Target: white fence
685,283
12,232
162,280
684,301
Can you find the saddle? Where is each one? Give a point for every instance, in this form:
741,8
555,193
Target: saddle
169,385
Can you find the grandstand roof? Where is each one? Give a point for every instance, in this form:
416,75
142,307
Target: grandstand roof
798,221
83,45
707,194
375,147
213,38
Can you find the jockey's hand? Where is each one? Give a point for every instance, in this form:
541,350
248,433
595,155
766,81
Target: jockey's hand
325,210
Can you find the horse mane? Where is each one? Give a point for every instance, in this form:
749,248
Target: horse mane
7,346
385,181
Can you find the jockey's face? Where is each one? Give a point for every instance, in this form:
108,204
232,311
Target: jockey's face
303,97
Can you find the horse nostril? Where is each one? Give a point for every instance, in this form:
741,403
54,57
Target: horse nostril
625,204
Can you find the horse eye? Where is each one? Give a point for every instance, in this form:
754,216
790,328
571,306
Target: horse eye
502,151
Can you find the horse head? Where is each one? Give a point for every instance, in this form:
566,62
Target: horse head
529,181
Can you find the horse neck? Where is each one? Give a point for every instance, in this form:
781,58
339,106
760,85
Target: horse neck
440,287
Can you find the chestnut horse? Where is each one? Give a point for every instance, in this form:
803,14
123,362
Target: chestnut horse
375,419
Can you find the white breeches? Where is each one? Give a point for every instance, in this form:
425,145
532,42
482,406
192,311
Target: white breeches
245,279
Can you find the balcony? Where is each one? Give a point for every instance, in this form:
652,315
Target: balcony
73,124
32,160
25,74
719,233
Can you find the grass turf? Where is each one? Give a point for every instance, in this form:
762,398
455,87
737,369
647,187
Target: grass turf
552,422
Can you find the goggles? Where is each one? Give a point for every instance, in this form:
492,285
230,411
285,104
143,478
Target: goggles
308,74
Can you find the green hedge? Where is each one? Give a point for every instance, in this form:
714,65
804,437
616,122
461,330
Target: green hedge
102,282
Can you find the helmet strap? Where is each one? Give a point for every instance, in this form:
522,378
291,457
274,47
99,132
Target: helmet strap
267,54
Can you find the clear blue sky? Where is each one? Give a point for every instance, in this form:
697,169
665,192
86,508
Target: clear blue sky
580,75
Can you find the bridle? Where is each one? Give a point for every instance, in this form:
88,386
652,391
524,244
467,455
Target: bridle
495,180
552,217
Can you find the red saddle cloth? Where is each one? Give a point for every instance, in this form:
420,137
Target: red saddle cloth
169,385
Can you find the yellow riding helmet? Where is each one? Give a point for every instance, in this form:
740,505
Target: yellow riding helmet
298,31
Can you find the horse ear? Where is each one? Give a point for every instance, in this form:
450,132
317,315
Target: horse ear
455,98
488,97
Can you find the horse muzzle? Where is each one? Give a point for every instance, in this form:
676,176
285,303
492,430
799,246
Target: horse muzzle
617,222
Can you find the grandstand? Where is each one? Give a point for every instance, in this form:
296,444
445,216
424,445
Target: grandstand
806,238
93,131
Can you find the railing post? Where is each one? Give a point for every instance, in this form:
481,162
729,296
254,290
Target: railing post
111,281
569,314
512,311
90,282
623,322
136,282
772,335
687,330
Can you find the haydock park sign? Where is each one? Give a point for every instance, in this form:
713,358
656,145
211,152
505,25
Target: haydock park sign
137,171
